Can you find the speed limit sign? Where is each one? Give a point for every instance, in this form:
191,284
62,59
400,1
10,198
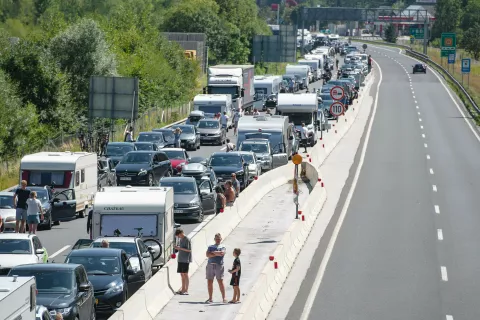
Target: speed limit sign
337,93
337,109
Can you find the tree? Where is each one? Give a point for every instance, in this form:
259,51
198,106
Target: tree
390,35
471,41
447,17
471,14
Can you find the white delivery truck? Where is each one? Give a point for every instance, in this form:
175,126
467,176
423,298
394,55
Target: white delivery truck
314,66
145,212
266,86
73,177
213,104
234,80
18,298
301,108
301,71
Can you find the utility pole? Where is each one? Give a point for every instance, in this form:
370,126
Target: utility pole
302,45
425,34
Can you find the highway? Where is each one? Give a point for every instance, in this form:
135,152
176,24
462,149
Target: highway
405,238
60,239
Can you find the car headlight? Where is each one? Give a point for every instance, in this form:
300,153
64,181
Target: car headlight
142,172
64,311
115,289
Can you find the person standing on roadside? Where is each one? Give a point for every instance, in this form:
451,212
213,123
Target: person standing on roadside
229,193
236,272
128,134
221,200
20,204
304,136
184,259
236,118
235,185
215,268
177,133
34,207
224,120
89,224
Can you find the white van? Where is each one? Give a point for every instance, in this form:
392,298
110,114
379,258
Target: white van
144,212
213,104
17,298
73,177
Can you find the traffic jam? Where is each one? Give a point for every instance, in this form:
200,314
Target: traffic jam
137,192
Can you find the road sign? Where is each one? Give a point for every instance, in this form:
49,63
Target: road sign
451,58
297,159
364,46
417,33
448,44
337,93
337,109
466,65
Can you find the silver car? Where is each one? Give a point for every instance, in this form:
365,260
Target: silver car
262,150
7,212
211,132
254,167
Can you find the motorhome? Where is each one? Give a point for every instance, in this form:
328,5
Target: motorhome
72,173
276,129
145,212
301,108
301,71
214,103
266,86
17,298
314,66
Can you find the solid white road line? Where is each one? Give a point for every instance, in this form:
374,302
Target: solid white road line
328,252
428,157
58,252
439,234
443,271
437,209
431,171
434,187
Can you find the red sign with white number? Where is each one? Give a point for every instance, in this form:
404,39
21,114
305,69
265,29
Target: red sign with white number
337,109
337,93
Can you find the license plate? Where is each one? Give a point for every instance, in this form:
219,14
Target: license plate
125,178
177,211
96,301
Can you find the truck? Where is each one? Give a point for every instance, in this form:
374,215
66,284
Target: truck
266,86
144,212
314,65
17,298
235,80
301,108
301,71
213,104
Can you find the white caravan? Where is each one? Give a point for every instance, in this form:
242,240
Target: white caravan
18,298
321,58
145,212
301,108
266,86
315,67
72,175
300,71
213,104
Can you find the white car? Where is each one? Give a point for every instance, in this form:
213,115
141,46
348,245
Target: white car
7,212
254,167
20,248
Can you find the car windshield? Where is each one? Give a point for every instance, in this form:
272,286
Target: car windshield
226,160
187,129
168,134
299,118
249,158
6,201
42,195
129,247
175,154
135,157
15,246
99,265
180,187
254,147
118,151
48,281
150,137
209,124
144,146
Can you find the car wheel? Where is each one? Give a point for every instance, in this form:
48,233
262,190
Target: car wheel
56,223
198,147
150,180
81,214
200,217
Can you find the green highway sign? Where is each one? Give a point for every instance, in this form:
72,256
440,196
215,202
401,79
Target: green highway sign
417,33
448,44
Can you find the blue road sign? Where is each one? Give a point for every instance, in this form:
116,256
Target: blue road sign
466,65
451,58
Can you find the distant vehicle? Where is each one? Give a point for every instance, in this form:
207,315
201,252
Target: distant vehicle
200,172
167,134
194,117
106,173
420,67
154,137
61,288
146,146
190,137
143,168
211,132
201,160
254,167
17,298
20,248
226,163
7,211
116,150
178,158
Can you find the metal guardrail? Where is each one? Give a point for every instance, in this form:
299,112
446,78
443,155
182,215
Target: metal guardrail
425,58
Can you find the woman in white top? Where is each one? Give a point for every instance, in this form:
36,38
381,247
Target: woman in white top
128,134
34,208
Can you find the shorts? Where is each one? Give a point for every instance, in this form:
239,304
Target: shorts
235,281
183,267
215,271
21,214
33,219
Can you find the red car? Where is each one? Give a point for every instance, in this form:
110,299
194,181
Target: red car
178,157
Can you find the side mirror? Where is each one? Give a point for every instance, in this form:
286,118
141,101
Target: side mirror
39,251
146,255
84,287
151,250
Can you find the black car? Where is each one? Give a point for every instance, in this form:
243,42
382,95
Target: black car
167,134
143,168
106,173
226,163
61,288
190,137
45,195
111,274
116,150
419,67
190,200
153,137
146,146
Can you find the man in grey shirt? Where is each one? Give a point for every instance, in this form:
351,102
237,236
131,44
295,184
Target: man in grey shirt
215,269
184,248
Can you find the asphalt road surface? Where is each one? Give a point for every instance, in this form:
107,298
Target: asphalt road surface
408,246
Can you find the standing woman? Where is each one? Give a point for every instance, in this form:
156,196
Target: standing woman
128,134
177,132
33,210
